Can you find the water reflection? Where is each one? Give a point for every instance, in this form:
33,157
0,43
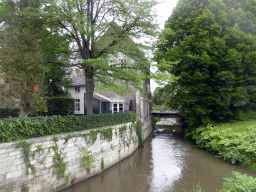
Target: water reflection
166,161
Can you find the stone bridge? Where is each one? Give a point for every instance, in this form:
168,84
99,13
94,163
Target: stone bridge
166,114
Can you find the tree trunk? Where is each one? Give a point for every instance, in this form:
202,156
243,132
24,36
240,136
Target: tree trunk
89,84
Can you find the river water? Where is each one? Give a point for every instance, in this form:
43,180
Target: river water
166,163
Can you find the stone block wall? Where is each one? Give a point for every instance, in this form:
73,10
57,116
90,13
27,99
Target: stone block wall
54,162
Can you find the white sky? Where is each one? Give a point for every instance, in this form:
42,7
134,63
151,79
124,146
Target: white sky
164,10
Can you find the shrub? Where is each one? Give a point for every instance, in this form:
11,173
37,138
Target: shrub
60,106
237,147
13,129
7,112
239,183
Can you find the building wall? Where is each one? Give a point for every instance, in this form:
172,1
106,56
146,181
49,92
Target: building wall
78,95
13,168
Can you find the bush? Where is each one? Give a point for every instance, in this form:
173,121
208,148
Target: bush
7,112
239,183
13,129
60,106
237,147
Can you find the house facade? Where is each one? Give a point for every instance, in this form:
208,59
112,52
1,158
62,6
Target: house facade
109,101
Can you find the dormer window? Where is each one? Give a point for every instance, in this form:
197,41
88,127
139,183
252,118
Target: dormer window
77,89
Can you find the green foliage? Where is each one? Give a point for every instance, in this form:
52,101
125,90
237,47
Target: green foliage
87,160
207,50
58,166
67,138
56,53
138,128
39,150
104,37
239,183
26,154
197,188
24,187
61,106
13,129
7,112
102,163
154,120
236,183
106,134
235,142
22,61
122,130
160,95
91,137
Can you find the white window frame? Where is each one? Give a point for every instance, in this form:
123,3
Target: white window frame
118,105
77,104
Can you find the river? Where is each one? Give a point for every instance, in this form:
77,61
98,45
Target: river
166,163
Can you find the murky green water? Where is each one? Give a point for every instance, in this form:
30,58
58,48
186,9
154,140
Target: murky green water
166,163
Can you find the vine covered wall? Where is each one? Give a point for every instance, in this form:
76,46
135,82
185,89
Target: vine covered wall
54,162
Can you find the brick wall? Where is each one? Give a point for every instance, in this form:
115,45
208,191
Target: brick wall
13,168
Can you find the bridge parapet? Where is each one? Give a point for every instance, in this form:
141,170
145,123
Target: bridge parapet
166,114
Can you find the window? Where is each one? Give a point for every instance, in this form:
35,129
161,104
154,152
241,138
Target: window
115,108
77,89
118,107
77,105
121,107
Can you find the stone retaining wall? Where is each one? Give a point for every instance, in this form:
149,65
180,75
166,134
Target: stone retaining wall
49,155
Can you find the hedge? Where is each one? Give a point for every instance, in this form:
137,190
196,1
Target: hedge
61,106
7,112
14,129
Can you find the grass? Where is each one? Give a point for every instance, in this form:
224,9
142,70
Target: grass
236,126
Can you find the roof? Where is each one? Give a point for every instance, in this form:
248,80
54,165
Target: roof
78,79
101,97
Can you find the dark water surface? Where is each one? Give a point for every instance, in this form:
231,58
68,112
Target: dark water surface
166,163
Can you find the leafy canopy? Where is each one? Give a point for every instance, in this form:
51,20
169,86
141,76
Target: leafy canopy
97,28
207,50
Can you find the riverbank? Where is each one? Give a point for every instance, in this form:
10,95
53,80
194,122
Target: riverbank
58,161
233,141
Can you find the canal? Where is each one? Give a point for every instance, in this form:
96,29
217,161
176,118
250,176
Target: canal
166,163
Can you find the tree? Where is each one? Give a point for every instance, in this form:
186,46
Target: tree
161,95
101,27
21,55
210,57
56,56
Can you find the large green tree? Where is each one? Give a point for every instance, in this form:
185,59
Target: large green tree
22,63
102,27
211,57
56,55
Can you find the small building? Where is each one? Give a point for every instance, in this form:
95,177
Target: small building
109,101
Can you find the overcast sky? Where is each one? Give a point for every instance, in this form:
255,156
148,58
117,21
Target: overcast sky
164,10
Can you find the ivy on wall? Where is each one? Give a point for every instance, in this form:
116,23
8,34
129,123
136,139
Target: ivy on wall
14,129
87,160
